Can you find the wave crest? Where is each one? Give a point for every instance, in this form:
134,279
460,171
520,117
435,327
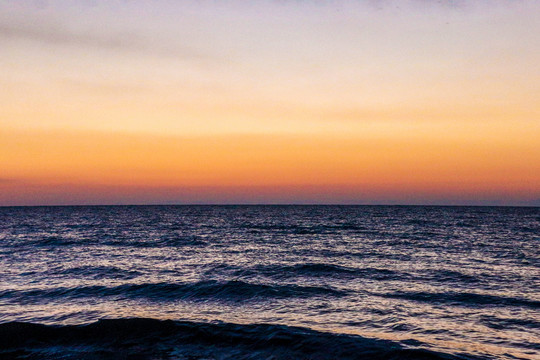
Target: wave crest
203,290
150,339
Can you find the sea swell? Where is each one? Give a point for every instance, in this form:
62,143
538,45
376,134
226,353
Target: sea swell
139,338
233,290
464,299
315,270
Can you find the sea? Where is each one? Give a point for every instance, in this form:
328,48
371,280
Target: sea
269,282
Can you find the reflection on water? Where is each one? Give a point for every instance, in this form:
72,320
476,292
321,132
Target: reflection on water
459,280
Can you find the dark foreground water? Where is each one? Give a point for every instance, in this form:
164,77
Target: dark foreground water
269,282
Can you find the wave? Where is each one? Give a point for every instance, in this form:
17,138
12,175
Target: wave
52,241
319,270
46,241
202,290
100,272
452,276
164,241
306,229
163,339
501,323
464,299
278,271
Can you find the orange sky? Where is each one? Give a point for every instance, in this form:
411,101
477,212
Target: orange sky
269,103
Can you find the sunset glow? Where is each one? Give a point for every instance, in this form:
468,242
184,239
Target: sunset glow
360,102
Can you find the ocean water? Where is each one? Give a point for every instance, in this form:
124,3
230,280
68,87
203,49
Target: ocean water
269,282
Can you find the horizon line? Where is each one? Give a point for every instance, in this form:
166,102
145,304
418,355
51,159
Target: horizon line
269,204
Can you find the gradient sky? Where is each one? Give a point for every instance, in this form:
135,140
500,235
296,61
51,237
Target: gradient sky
356,102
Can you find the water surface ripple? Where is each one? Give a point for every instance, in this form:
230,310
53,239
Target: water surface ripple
374,281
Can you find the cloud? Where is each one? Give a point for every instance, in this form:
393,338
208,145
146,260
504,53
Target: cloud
58,34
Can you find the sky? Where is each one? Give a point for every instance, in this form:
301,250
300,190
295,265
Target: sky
270,102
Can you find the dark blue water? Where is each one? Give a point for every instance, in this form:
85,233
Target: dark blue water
314,282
